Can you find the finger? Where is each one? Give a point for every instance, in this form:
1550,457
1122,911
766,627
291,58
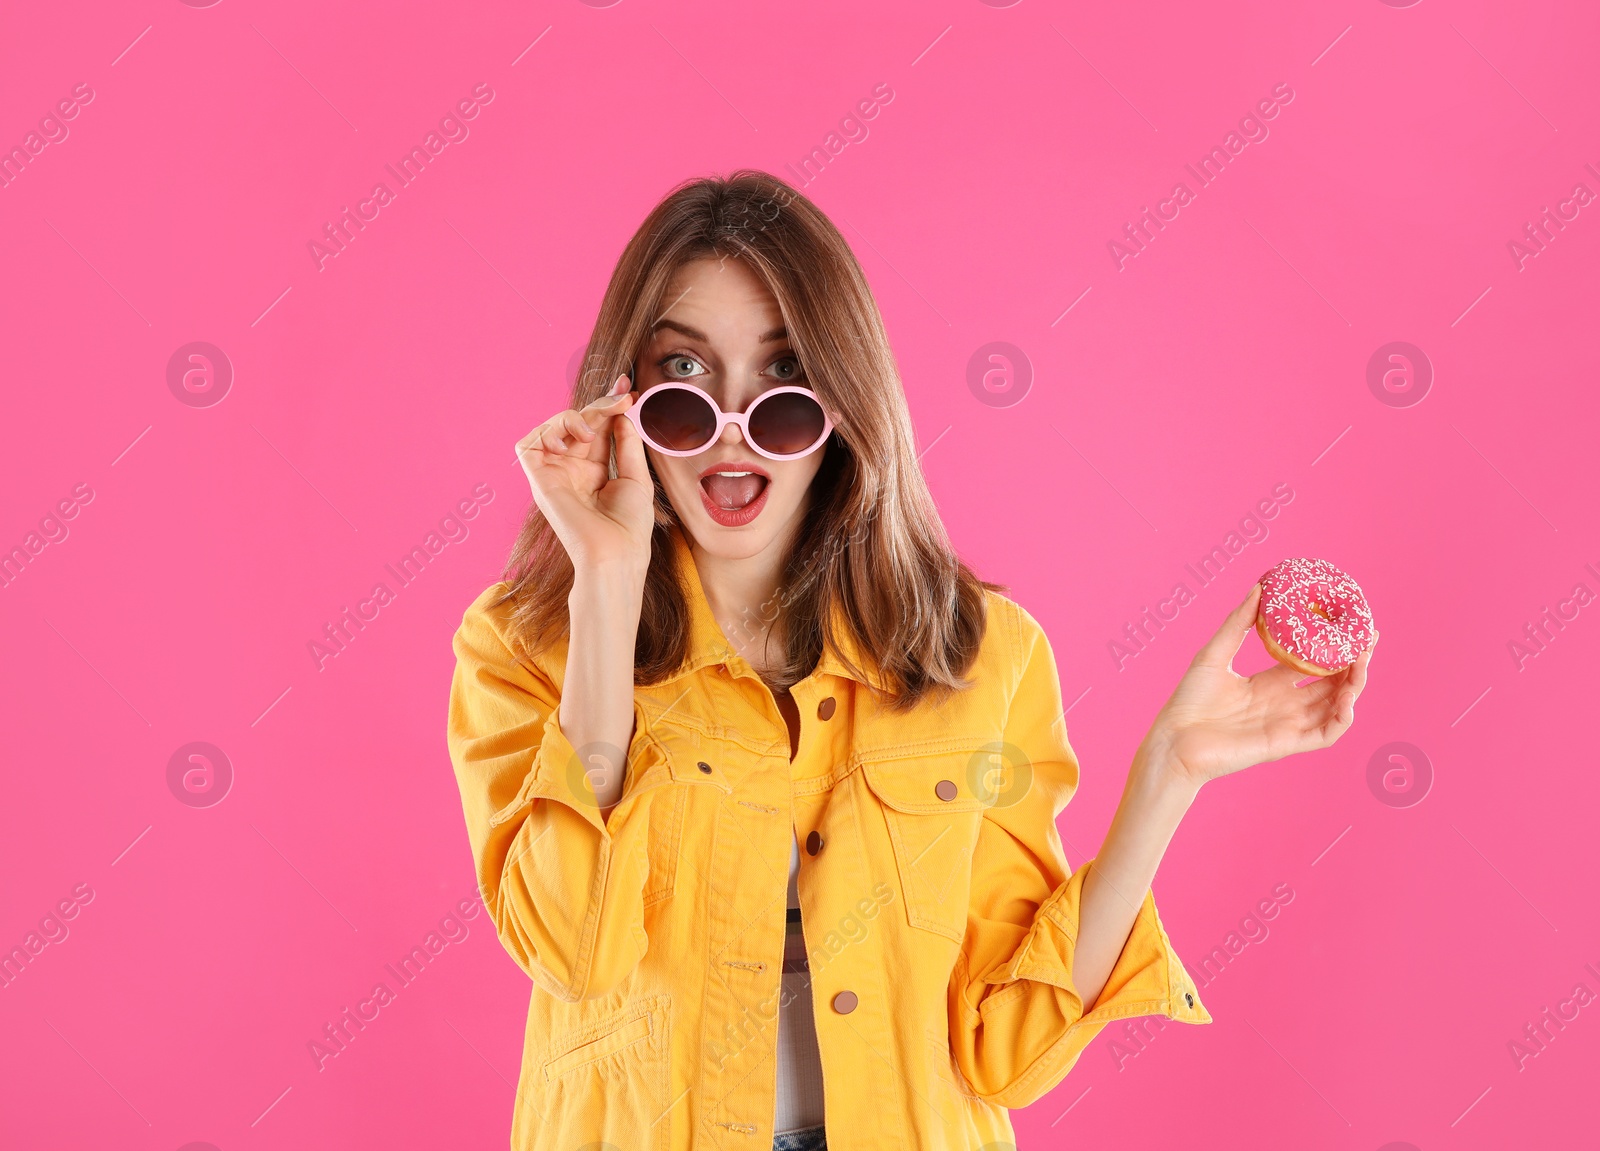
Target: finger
575,425
1358,672
1280,677
1325,688
1335,722
619,386
532,438
535,461
595,415
1341,708
1224,645
548,440
530,448
631,462
1344,711
1355,683
1321,711
572,435
590,426
1351,677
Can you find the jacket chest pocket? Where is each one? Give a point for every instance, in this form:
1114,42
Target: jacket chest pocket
933,820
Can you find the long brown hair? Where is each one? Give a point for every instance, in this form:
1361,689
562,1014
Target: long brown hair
871,541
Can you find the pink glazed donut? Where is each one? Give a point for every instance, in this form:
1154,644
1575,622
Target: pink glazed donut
1313,616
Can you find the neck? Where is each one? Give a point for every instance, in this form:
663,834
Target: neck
745,595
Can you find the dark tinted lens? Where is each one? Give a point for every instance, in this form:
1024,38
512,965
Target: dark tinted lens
678,420
786,423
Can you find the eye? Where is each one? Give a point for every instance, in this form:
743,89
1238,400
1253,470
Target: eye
679,367
787,369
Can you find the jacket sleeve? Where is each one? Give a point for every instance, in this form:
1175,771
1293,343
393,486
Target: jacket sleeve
1017,1023
565,887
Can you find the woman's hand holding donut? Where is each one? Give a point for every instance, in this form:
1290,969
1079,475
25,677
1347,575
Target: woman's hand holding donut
1219,722
601,521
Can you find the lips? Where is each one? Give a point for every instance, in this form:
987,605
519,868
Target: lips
734,491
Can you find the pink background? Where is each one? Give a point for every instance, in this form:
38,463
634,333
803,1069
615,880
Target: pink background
1166,400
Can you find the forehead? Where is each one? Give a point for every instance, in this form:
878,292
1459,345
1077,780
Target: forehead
720,295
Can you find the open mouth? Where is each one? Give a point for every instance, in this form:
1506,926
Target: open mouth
732,490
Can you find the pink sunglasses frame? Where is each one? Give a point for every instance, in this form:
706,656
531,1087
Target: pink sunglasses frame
739,419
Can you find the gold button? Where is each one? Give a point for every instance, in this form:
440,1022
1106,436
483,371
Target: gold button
945,790
813,843
825,708
845,1002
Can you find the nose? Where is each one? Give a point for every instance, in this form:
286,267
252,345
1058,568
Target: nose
731,436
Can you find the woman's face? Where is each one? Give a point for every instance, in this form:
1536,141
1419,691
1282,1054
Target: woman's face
722,332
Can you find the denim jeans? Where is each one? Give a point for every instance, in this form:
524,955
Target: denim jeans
810,1139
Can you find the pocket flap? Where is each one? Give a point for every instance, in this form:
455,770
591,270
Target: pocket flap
624,1035
685,750
911,782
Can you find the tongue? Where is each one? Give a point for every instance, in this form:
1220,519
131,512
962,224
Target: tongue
733,492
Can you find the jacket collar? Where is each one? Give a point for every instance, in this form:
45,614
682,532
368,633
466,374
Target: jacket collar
708,645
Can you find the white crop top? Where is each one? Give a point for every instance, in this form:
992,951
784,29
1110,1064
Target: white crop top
799,1062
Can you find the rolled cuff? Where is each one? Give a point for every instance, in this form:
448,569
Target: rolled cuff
1147,979
561,776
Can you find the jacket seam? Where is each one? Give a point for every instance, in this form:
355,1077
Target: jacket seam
591,921
698,1077
1011,989
653,894
912,748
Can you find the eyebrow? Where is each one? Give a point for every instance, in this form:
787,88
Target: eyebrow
694,334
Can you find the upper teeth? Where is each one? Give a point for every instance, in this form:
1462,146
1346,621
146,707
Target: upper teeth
733,473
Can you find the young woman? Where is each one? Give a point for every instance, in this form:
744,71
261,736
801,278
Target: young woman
761,781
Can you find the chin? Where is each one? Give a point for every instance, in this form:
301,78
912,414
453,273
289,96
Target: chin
731,543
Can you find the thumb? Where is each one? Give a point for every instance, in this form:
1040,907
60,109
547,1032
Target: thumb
631,462
1222,646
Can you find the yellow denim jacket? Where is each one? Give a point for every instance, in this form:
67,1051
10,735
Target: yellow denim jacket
937,907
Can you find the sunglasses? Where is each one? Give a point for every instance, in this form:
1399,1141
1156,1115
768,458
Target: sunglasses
682,420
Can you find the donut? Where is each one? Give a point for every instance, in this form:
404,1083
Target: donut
1313,616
